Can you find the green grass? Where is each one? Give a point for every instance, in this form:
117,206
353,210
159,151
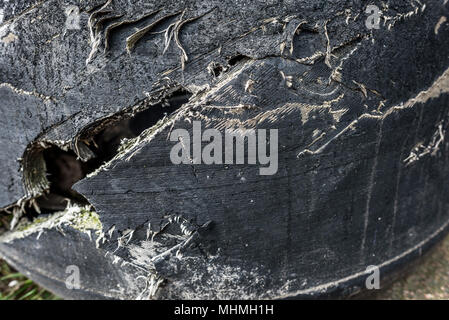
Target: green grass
15,286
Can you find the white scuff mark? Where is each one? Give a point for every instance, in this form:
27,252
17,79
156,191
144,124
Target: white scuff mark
147,254
149,232
11,37
95,39
39,234
111,231
152,284
3,30
273,115
336,72
351,126
101,238
224,281
442,20
17,212
316,139
402,16
439,87
187,229
316,133
431,149
170,32
249,86
23,92
327,94
311,59
2,15
124,239
348,13
287,80
291,29
337,114
362,88
329,55
177,29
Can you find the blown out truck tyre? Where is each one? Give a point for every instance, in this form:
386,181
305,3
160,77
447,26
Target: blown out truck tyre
91,93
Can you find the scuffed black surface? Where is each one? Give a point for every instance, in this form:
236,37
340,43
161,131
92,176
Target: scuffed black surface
335,206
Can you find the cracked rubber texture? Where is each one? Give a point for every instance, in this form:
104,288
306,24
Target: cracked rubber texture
362,118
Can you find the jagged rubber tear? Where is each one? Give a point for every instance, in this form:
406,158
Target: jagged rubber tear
51,168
